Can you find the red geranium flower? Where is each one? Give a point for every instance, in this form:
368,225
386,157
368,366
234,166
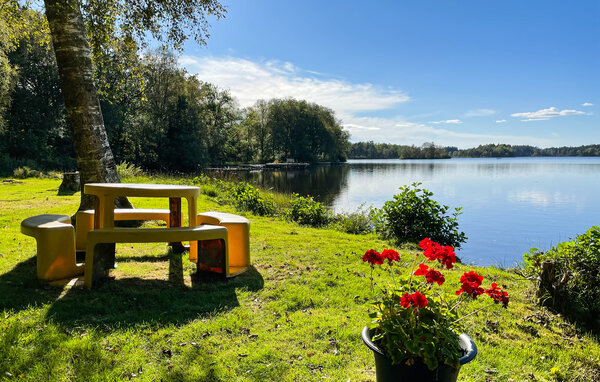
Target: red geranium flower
434,251
425,243
471,277
390,255
498,295
446,256
471,282
431,275
422,270
373,257
434,276
416,299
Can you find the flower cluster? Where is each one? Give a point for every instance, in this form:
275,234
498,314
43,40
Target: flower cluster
434,251
416,299
413,308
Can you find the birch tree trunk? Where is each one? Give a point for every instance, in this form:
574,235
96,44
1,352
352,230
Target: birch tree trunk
73,57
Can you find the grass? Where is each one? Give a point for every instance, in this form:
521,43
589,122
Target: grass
296,316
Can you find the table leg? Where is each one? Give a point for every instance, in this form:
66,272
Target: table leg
175,221
104,257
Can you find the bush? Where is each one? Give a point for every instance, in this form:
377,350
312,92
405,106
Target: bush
26,172
248,198
414,215
307,211
128,170
357,222
569,277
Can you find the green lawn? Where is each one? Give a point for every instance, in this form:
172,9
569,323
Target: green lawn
296,316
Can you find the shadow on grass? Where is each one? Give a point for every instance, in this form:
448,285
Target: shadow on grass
19,288
125,302
133,301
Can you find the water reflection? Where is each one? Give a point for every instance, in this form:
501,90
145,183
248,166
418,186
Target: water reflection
509,205
322,182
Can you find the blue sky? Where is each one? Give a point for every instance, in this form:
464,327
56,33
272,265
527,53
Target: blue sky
458,73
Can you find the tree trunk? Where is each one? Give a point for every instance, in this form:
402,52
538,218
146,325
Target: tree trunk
73,57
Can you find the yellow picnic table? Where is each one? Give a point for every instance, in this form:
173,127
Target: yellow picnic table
106,193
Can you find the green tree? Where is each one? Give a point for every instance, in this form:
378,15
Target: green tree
70,23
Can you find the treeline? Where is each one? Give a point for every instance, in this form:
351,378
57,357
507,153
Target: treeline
156,115
371,150
503,150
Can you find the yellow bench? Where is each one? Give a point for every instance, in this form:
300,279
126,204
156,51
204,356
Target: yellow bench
153,235
55,237
85,220
238,233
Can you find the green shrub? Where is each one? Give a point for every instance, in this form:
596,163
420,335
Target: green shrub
26,172
129,170
307,211
414,215
569,277
248,198
358,222
210,190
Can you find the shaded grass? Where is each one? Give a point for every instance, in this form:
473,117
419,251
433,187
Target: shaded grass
296,316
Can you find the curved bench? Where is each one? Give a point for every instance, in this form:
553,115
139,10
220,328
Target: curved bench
238,231
153,235
85,220
55,237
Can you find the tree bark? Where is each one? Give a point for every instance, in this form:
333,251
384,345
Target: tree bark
95,159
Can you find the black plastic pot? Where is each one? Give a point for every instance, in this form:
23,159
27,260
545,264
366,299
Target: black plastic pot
386,372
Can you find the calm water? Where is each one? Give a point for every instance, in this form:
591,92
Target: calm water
509,205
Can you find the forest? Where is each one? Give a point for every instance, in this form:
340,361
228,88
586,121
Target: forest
157,116
370,150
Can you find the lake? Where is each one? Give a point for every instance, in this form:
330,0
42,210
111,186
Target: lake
509,205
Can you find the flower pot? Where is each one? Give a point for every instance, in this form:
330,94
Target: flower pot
386,372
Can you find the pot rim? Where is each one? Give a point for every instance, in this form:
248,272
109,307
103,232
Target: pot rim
465,342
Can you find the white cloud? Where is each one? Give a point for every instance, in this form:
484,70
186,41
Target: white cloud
480,113
449,121
501,121
250,81
400,131
545,114
587,104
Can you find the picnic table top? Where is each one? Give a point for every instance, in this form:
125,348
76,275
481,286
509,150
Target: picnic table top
141,189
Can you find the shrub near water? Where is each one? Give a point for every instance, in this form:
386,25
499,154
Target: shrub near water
248,198
307,211
413,214
569,276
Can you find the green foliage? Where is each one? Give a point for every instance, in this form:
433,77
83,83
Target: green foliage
414,215
357,222
26,172
307,211
287,128
248,198
371,150
128,170
504,150
572,286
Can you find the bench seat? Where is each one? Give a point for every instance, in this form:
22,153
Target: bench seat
55,237
85,220
238,232
151,235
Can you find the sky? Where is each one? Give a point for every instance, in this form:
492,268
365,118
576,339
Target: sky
454,72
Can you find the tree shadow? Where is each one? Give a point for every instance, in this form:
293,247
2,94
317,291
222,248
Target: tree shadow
132,301
20,288
125,302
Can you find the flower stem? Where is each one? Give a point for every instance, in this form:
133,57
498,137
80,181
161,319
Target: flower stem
473,312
